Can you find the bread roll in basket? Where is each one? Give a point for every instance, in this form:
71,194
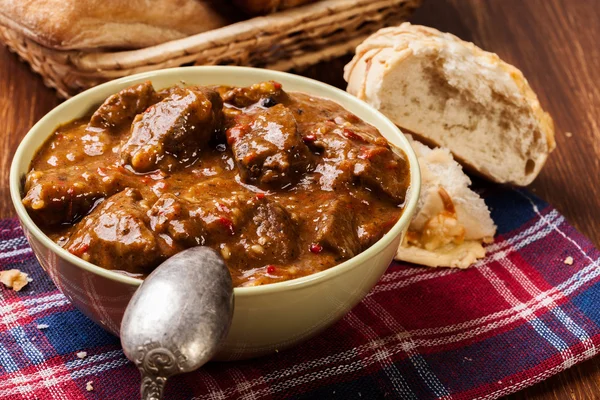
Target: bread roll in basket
77,44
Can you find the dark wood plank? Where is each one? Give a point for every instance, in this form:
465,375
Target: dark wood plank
23,101
554,42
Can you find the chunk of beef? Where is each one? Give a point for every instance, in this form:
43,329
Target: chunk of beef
331,116
63,195
335,166
250,230
265,234
378,167
223,206
176,218
122,107
336,228
174,130
268,148
351,157
265,94
116,235
269,236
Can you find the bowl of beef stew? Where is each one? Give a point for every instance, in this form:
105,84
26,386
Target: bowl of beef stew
304,190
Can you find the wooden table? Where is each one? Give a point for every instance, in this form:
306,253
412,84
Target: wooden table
554,42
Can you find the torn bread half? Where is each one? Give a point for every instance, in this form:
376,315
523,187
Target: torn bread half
451,222
452,94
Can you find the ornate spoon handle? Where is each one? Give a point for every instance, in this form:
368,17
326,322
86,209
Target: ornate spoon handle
156,363
152,387
177,318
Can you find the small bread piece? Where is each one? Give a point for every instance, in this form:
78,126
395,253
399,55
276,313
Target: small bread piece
86,24
15,279
258,7
452,94
451,220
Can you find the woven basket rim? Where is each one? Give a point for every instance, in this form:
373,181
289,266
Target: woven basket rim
94,59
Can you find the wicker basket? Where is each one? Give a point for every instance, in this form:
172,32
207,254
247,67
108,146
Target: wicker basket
292,39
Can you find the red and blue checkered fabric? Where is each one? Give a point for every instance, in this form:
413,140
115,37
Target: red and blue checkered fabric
516,318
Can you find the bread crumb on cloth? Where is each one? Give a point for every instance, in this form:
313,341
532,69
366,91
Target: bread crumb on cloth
42,326
82,354
14,279
89,387
569,260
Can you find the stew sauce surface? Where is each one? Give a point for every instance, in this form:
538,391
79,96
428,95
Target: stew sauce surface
282,184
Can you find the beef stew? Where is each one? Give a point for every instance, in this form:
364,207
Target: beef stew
282,184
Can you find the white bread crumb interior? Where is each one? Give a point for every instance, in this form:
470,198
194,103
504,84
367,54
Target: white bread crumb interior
452,94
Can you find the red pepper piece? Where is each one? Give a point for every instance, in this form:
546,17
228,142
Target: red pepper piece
368,153
80,250
228,224
260,196
309,138
271,269
350,134
316,248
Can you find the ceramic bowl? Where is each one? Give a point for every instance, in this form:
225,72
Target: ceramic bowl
266,318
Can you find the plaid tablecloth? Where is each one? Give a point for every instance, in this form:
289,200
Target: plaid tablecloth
516,318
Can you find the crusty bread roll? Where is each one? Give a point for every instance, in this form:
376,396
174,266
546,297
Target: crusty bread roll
268,6
452,94
451,221
84,24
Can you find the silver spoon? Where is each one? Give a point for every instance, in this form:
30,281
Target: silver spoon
177,318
